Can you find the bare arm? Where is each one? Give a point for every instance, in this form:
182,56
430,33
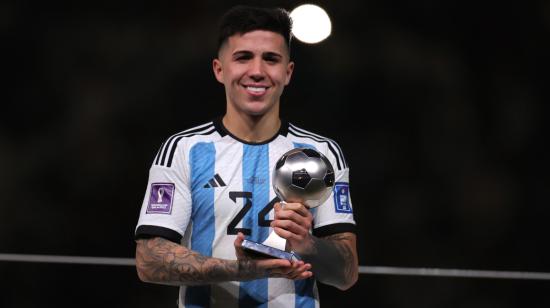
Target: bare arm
161,261
333,258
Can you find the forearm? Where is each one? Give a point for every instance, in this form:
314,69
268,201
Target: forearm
161,261
334,259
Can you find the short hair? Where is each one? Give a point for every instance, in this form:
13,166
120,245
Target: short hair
243,19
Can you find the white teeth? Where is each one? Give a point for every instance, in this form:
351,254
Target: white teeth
256,89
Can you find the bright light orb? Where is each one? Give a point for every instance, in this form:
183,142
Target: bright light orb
310,23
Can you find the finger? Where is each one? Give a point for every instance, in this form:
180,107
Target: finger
298,263
239,250
304,221
281,272
304,275
284,233
293,228
304,268
296,217
293,271
239,240
298,275
296,207
274,265
303,271
292,215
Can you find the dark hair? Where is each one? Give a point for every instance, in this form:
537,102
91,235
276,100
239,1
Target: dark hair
242,19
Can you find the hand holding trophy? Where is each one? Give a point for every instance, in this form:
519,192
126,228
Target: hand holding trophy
301,175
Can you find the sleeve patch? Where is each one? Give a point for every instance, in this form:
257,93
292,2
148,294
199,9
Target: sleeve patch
162,196
342,202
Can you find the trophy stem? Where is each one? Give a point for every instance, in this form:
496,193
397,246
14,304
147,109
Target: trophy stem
274,240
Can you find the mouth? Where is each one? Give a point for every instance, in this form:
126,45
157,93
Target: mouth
256,90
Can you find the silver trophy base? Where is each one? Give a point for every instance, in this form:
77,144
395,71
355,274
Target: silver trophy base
268,251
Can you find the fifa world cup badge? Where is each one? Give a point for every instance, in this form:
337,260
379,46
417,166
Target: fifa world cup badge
162,195
342,202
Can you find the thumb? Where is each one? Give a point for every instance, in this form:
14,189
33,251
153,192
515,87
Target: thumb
239,240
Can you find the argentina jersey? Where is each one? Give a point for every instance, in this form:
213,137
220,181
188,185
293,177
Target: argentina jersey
206,185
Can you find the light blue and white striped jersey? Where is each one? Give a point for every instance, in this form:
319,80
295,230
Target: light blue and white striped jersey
205,185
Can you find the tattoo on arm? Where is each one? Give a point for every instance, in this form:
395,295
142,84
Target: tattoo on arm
334,260
342,242
161,261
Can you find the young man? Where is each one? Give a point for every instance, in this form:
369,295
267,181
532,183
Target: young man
209,188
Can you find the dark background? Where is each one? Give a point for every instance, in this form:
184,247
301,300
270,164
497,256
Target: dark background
440,108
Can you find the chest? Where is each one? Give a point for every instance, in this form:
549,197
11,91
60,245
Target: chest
234,184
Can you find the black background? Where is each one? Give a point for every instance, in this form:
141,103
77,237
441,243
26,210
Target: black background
440,108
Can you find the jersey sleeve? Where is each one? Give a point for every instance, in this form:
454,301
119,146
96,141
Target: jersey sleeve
335,215
166,207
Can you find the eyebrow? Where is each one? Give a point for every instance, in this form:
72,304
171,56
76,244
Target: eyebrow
241,52
270,54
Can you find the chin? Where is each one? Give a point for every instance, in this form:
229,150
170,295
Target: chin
257,110
254,108
256,113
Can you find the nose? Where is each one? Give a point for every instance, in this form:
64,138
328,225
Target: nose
256,70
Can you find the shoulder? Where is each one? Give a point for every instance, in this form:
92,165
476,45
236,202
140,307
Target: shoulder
325,145
184,140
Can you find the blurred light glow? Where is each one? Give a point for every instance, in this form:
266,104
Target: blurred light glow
310,23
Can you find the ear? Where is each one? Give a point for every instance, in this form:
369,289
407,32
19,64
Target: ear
289,70
218,70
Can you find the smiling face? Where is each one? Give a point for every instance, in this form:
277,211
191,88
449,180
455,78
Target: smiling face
254,68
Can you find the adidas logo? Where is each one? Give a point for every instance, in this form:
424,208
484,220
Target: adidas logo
216,181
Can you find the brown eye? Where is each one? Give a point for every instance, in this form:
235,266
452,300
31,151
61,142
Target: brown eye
242,58
272,59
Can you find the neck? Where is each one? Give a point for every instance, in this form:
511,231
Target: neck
252,128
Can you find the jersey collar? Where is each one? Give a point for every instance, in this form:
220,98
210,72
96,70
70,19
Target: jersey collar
220,128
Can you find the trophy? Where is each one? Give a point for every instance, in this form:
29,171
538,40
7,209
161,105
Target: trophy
301,175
